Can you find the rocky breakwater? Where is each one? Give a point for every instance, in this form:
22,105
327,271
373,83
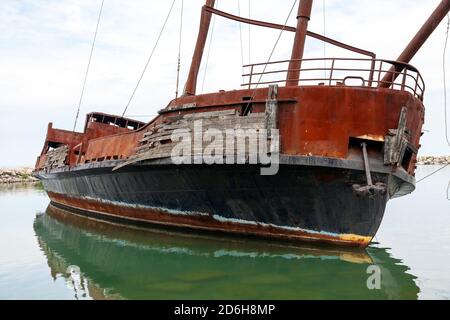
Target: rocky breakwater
433,160
20,175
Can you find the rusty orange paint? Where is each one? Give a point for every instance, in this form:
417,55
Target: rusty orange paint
313,120
203,222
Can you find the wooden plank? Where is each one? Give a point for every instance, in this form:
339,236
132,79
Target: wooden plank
209,114
271,113
155,139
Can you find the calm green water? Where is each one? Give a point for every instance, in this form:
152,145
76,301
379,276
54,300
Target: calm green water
48,254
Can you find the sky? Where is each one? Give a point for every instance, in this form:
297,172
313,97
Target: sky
45,46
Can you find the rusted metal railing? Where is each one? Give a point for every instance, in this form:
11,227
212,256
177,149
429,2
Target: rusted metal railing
340,71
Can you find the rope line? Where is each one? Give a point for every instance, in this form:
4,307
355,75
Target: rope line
179,49
433,173
249,34
149,59
240,37
88,66
324,34
447,138
209,48
270,57
445,84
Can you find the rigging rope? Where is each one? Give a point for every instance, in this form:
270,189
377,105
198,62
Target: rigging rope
88,66
324,34
209,47
249,34
270,57
240,37
149,59
433,173
445,103
445,84
179,49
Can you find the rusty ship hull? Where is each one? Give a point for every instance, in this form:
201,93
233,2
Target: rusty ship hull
299,203
311,198
295,204
348,141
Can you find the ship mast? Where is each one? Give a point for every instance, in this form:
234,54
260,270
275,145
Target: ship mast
205,21
303,17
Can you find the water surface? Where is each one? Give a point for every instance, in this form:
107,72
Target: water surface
47,253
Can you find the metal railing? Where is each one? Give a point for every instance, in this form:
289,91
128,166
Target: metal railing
339,72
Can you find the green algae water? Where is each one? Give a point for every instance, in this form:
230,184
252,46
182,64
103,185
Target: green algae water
47,253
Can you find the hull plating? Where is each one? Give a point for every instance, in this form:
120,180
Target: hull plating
301,203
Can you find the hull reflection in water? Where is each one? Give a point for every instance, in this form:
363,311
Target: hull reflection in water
102,260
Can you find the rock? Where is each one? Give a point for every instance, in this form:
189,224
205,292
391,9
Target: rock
433,160
16,175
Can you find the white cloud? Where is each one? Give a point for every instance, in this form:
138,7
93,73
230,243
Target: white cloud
44,47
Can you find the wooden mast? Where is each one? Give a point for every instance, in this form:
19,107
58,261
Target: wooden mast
205,21
303,17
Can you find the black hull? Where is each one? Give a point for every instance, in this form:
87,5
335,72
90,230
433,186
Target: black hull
301,202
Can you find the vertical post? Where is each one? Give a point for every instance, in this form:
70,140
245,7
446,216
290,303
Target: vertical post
366,165
417,84
380,71
405,73
332,71
251,78
303,17
205,21
372,72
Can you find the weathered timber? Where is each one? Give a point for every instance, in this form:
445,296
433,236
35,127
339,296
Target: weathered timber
272,109
215,120
396,142
205,115
57,158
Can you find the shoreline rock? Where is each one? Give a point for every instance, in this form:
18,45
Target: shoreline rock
20,175
433,160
